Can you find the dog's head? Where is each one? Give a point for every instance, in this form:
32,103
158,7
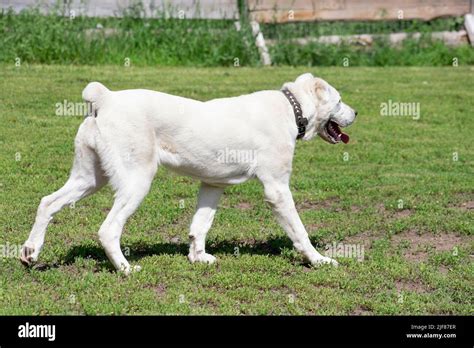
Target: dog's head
327,111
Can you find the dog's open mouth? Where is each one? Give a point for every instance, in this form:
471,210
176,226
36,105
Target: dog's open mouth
334,133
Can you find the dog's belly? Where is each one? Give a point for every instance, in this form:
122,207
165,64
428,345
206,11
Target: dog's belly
213,180
212,170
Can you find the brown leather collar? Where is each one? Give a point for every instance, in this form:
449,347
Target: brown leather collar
301,122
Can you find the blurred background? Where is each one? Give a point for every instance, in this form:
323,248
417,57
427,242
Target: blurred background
238,32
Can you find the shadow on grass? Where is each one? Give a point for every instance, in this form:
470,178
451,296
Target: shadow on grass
272,246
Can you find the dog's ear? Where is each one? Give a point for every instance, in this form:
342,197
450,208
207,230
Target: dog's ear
321,90
304,77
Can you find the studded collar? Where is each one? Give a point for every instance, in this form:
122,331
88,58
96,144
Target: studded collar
301,122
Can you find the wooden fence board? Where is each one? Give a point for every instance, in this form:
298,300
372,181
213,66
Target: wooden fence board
209,9
281,11
267,10
469,25
450,38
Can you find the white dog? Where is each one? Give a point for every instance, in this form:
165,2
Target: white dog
220,142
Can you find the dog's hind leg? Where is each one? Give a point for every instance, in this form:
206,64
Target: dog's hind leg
86,178
202,221
131,174
127,200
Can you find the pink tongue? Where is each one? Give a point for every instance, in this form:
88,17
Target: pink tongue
344,138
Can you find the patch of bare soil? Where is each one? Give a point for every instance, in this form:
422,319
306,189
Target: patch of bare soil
443,269
420,244
355,209
402,213
330,203
365,238
175,240
466,205
381,209
159,289
244,206
388,214
466,199
410,285
361,310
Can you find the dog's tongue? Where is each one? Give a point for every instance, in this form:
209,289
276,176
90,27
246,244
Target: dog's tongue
344,137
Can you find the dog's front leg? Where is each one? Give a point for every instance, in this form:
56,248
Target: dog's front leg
202,221
280,198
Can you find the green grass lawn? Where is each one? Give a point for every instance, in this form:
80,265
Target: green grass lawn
402,189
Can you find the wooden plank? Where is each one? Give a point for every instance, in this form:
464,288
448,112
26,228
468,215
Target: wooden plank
281,11
450,38
469,25
260,43
206,9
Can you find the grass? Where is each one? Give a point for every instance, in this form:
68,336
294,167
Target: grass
424,52
53,39
57,39
417,255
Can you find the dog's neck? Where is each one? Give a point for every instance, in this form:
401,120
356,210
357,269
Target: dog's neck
307,106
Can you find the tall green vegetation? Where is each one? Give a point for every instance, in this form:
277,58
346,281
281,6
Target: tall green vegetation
33,37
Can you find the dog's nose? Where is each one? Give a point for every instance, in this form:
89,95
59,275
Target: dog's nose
355,112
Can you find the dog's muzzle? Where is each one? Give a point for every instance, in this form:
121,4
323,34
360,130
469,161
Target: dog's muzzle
334,134
331,130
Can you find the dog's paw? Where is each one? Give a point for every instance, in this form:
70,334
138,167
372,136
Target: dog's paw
202,257
29,254
325,261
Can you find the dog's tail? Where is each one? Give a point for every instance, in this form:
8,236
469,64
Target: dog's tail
94,93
